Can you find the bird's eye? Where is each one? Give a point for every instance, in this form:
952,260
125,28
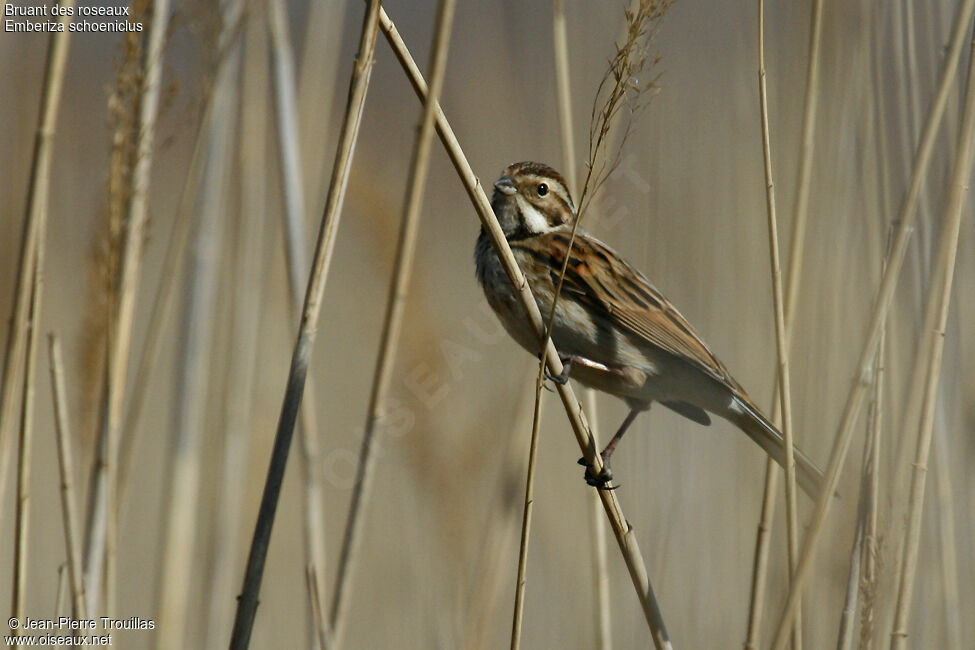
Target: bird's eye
542,189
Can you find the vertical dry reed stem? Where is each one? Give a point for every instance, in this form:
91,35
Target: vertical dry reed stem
781,343
871,543
800,209
296,238
793,281
122,321
848,615
249,262
69,511
942,277
13,360
885,293
392,323
22,527
196,331
625,535
946,533
359,84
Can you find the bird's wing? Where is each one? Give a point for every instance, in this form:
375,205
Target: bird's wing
613,290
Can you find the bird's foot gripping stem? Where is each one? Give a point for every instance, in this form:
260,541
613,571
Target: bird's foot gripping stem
601,480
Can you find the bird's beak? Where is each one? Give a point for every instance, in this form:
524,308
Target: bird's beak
505,185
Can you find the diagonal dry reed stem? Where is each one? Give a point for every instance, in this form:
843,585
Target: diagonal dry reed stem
885,294
69,510
625,535
518,614
499,536
359,84
317,612
392,323
62,588
942,277
781,342
13,360
296,238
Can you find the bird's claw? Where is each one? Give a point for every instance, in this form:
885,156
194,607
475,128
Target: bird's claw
600,480
563,378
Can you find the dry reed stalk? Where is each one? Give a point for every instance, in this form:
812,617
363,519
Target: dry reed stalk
13,360
564,94
296,237
122,321
800,208
942,277
526,519
317,611
848,615
871,545
884,296
793,280
866,510
359,84
62,589
22,525
763,539
195,351
949,551
69,511
249,262
625,535
392,323
781,343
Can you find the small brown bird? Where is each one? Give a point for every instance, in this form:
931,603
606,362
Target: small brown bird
616,332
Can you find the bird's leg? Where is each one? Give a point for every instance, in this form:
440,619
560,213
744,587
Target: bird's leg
571,360
606,475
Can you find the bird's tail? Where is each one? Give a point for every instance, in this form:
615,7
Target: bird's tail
751,421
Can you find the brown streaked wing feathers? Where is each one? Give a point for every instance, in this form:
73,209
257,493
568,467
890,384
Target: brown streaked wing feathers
626,297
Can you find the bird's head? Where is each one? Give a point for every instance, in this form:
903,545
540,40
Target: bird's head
531,199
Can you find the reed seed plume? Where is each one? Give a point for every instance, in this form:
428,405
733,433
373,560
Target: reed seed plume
624,92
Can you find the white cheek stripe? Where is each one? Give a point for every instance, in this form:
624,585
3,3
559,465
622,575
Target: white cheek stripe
535,221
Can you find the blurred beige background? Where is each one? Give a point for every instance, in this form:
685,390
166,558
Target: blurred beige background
687,207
